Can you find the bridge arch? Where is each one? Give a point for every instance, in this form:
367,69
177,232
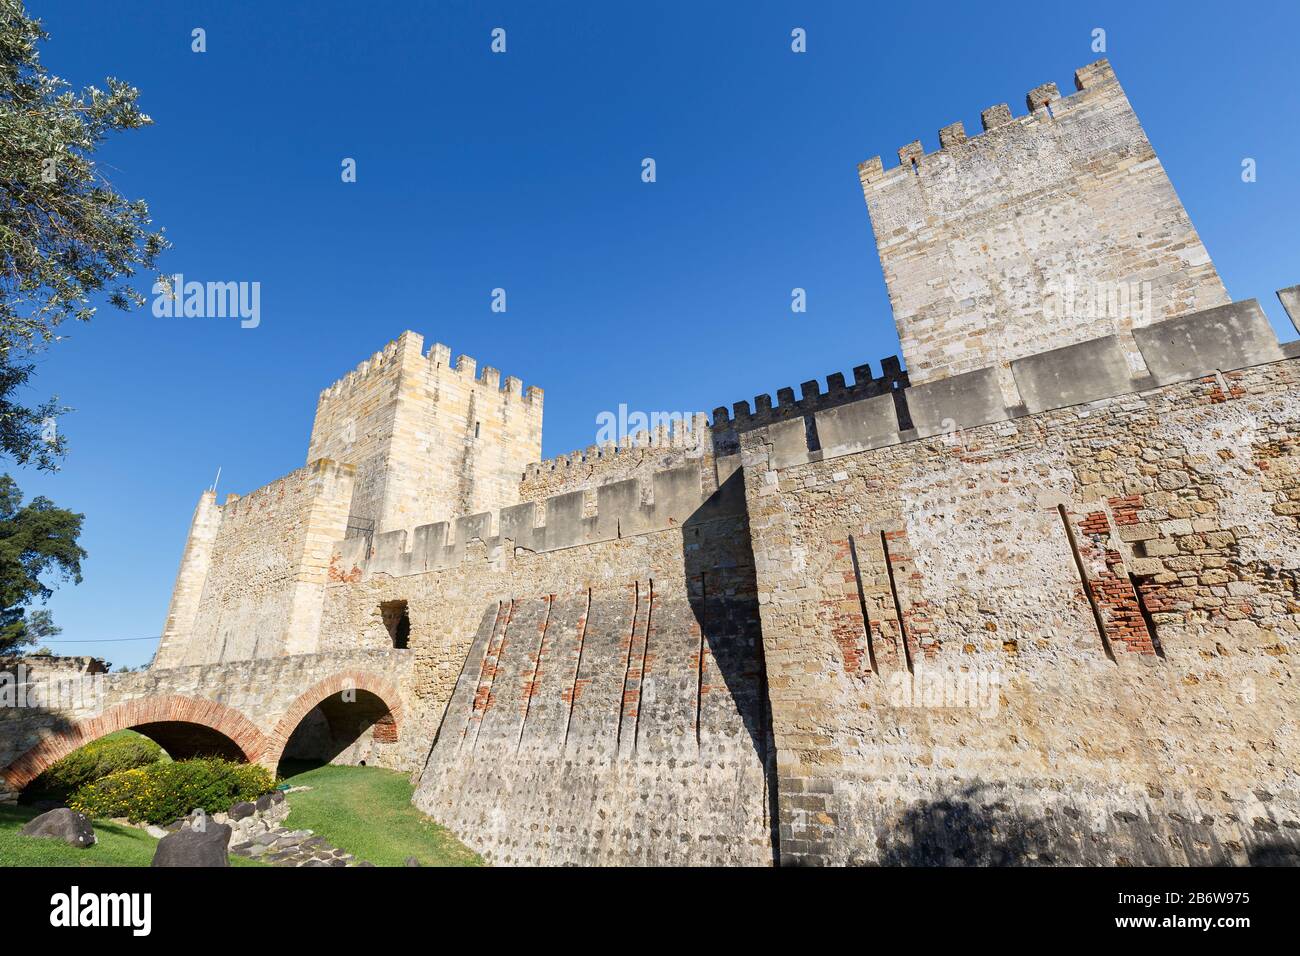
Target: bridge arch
347,705
189,724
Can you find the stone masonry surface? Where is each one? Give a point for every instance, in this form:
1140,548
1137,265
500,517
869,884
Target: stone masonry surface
1140,703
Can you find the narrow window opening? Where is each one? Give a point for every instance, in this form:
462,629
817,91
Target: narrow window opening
397,622
476,426
810,433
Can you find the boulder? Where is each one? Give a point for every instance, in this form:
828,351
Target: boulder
264,802
241,810
187,847
412,861
63,824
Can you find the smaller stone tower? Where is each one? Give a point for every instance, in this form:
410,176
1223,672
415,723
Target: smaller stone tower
430,440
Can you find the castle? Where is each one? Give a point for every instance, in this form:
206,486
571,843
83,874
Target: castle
1032,600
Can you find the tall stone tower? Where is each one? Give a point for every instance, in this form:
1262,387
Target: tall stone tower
1044,231
429,440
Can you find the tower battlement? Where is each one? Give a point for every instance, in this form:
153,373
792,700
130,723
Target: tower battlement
430,437
390,356
1043,231
1046,97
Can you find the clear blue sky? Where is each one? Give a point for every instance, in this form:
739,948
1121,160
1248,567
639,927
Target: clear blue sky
523,171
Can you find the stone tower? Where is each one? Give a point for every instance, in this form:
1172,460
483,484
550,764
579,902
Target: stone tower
429,440
1044,231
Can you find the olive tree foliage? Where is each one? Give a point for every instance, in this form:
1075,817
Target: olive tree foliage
66,235
66,238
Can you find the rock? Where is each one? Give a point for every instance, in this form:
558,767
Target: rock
156,832
412,861
241,810
277,796
206,847
63,824
365,863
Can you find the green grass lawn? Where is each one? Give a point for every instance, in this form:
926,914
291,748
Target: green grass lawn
118,845
368,812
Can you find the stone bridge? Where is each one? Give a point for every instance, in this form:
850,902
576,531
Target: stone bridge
349,707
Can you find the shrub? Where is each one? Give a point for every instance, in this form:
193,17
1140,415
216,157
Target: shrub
123,750
162,792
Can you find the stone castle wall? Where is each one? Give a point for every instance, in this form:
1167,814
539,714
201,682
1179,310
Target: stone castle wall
639,456
1056,638
585,680
713,448
259,567
991,244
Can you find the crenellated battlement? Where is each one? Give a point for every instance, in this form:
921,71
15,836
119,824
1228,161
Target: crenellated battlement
487,378
1043,103
382,363
409,346
1184,348
701,437
322,473
681,435
811,397
666,500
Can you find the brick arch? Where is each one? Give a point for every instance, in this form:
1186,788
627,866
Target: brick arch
172,708
278,738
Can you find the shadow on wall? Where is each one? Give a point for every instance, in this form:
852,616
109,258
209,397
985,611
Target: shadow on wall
21,728
719,567
970,829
